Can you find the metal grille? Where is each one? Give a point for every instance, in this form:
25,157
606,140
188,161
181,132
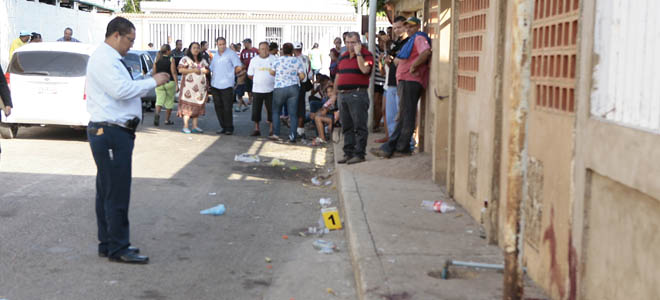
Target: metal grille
274,34
471,29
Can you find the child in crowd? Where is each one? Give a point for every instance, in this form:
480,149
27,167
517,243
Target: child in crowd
325,115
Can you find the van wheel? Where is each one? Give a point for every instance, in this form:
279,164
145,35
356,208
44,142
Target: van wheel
9,132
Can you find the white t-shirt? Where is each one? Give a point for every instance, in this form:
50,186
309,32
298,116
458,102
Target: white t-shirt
259,67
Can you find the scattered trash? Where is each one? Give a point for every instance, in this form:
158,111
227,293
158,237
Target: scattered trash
212,193
268,260
276,163
325,247
302,234
294,168
331,292
247,158
269,267
286,237
316,181
215,211
325,202
437,206
469,231
391,260
327,183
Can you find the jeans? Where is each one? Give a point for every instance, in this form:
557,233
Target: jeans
112,149
391,108
286,96
410,91
259,100
223,100
354,114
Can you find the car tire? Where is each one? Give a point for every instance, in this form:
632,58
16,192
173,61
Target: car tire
9,132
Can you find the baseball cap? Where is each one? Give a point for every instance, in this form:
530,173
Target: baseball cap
25,33
297,45
413,20
248,40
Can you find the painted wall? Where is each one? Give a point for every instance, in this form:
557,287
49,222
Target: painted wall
49,20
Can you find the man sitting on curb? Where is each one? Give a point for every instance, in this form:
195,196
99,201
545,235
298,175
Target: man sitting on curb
352,82
412,75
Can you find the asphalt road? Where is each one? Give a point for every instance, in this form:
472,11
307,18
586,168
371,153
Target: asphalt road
48,227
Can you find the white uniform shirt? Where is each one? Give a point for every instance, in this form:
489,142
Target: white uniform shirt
259,67
112,96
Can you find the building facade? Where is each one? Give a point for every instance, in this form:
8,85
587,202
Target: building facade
590,205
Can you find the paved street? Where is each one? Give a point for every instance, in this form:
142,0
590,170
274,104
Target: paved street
48,226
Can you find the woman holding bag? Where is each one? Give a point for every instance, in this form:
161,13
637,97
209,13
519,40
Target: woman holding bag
165,92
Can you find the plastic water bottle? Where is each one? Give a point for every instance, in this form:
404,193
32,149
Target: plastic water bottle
437,206
214,211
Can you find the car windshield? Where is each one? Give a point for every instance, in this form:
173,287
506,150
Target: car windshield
133,61
49,63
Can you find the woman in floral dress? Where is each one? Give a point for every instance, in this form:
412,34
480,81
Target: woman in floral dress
194,87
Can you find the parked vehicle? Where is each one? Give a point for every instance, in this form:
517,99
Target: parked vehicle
140,65
47,82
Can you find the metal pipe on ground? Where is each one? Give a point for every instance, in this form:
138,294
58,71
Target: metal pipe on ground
469,264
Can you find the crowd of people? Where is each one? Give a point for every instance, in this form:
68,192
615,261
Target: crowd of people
26,37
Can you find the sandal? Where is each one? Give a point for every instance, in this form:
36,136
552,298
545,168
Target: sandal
197,130
186,130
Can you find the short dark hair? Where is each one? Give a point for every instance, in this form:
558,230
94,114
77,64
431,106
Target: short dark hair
202,43
399,19
287,49
121,25
273,46
220,39
69,29
264,43
178,41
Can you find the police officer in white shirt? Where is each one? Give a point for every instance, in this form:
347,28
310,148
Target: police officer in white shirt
115,108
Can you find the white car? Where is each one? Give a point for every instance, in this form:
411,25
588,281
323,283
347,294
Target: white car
47,82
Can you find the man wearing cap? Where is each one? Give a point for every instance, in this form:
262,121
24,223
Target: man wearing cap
412,75
246,56
20,41
352,82
305,86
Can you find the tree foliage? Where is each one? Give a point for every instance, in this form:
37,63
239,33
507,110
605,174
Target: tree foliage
380,8
133,6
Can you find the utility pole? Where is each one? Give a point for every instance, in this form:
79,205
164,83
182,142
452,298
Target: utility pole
517,146
372,48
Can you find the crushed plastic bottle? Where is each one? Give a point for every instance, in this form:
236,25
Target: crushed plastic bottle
316,181
325,202
214,211
438,206
325,247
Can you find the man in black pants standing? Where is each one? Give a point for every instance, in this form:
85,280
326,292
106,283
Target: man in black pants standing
115,108
224,67
352,82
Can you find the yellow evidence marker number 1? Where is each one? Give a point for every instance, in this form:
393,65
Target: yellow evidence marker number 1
331,218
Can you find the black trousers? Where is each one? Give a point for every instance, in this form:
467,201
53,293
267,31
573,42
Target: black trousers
354,114
409,93
259,99
223,100
112,149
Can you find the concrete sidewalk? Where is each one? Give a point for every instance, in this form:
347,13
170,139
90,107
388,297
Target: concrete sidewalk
398,249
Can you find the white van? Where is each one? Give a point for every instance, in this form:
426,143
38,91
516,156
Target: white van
47,82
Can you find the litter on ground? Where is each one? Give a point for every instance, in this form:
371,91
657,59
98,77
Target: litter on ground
247,158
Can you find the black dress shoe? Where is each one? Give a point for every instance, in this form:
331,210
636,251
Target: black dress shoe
130,249
227,132
355,160
221,131
130,258
344,160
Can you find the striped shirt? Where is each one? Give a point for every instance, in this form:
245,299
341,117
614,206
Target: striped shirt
349,74
379,79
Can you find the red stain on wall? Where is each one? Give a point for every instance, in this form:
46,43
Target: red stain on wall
550,237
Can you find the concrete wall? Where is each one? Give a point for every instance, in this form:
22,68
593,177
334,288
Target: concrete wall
49,20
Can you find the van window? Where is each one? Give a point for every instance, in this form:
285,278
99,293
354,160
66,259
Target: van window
49,63
133,61
150,63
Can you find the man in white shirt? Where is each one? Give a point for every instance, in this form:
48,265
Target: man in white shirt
263,84
115,108
224,67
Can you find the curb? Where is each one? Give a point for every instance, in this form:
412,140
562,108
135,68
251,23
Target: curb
368,270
